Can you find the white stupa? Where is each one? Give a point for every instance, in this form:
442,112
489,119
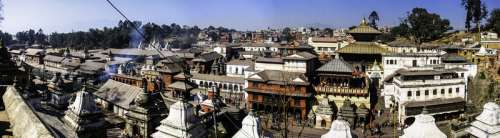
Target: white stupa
180,123
423,127
487,124
339,129
250,127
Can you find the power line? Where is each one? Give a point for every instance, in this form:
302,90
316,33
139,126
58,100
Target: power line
133,25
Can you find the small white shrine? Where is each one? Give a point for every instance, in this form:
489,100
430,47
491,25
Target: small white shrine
487,124
339,129
181,123
250,128
423,127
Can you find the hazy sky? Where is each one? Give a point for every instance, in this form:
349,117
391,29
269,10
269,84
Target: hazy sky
76,15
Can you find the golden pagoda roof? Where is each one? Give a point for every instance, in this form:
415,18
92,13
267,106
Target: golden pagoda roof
363,48
364,28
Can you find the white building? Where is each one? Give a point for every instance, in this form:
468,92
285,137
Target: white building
327,45
236,67
302,62
395,61
487,124
441,90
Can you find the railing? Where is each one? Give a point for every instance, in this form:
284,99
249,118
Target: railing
429,82
341,90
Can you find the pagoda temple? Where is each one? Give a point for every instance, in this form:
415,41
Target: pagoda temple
84,117
487,124
365,50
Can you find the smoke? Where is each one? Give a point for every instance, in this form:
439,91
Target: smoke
135,36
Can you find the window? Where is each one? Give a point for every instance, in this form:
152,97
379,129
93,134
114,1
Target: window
434,92
254,84
418,93
255,97
450,91
426,92
236,71
387,62
462,75
297,103
409,93
414,63
395,62
442,91
457,90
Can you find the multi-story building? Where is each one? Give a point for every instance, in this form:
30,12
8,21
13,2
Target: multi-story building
326,45
236,67
395,61
338,81
272,90
440,90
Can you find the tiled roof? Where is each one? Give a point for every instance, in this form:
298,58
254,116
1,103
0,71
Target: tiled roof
118,93
453,58
206,57
301,55
52,58
325,39
218,78
280,77
180,85
245,62
336,65
363,48
32,52
269,60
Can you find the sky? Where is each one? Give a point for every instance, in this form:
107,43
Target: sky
80,15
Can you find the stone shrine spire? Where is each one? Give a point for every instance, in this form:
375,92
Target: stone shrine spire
84,117
423,127
250,128
487,124
339,129
181,123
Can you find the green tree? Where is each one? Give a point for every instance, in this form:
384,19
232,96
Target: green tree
422,26
475,12
373,19
493,21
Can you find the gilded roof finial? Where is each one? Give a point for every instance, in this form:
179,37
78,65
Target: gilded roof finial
363,22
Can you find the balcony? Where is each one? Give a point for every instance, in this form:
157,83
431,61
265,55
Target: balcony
428,82
342,90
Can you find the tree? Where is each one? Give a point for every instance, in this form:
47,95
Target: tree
373,19
476,11
493,21
422,26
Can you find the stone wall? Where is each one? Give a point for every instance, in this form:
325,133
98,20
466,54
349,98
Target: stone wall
24,122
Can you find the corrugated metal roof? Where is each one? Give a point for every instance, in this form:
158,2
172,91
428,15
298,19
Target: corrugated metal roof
118,93
336,65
